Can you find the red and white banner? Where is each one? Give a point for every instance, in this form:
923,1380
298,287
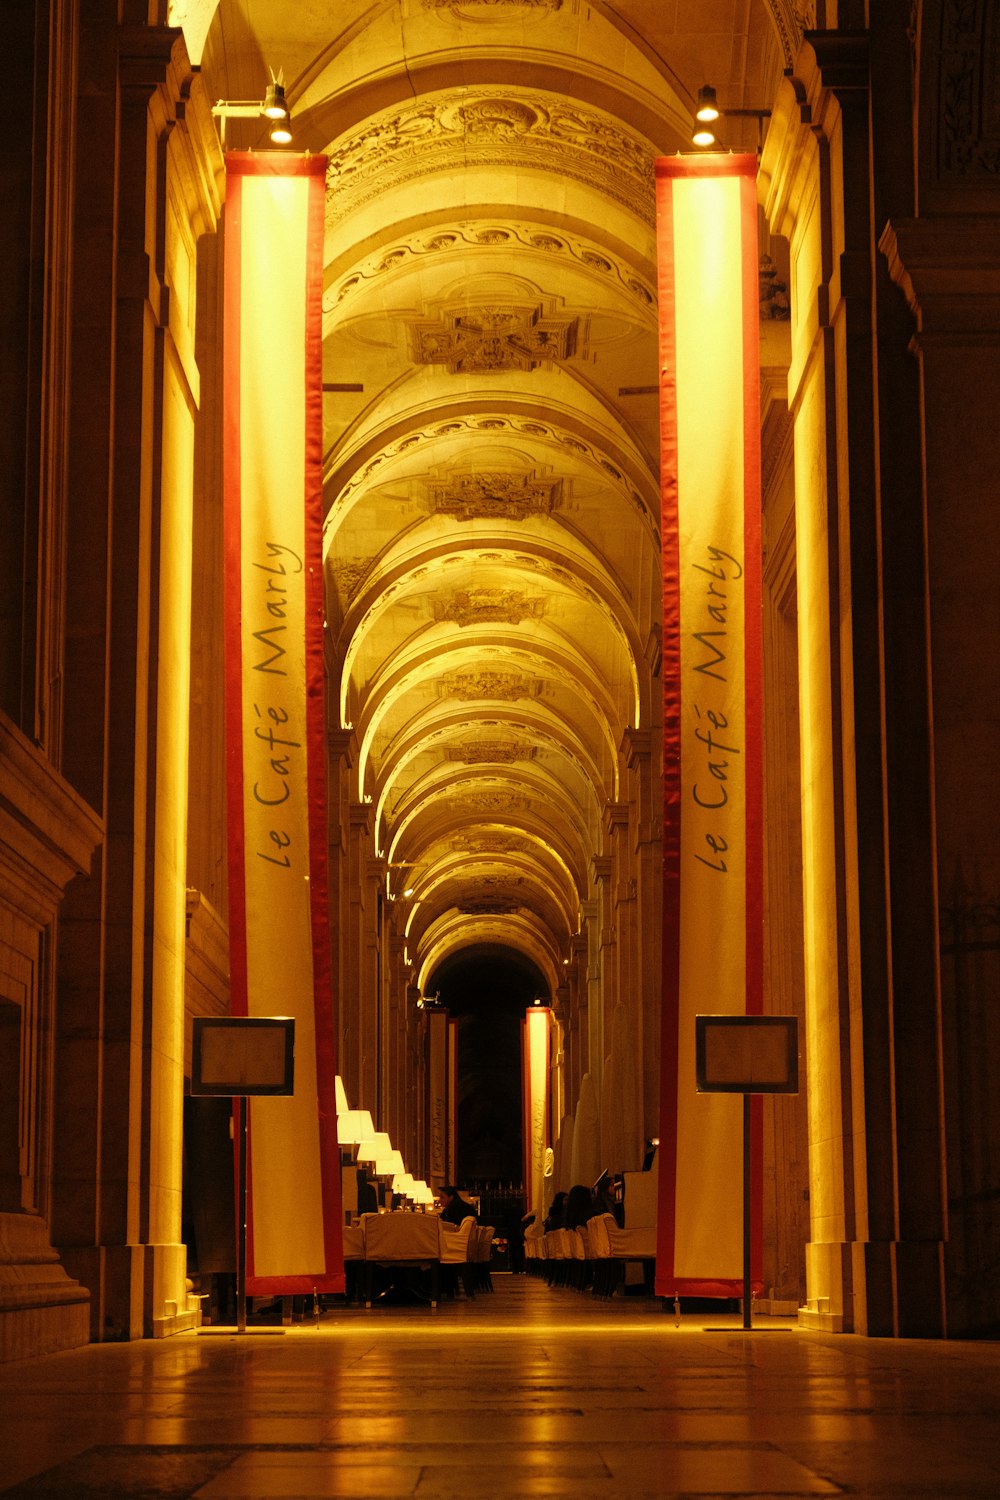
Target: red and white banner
439,1098
712,841
535,1030
275,750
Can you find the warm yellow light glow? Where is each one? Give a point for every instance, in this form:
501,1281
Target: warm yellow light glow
708,108
703,137
354,1126
376,1147
281,132
275,105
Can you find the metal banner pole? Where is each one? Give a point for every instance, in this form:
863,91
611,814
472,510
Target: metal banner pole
747,1205
241,1216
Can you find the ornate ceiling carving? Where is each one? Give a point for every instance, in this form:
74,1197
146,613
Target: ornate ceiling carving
494,337
459,6
499,128
488,606
515,426
515,236
503,687
491,752
510,496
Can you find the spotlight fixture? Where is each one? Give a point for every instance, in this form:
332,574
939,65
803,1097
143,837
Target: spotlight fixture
707,112
708,108
273,108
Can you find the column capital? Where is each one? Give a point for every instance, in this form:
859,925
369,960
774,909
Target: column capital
361,817
616,815
948,269
636,746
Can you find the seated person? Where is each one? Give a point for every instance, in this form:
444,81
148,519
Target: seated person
454,1208
554,1218
579,1207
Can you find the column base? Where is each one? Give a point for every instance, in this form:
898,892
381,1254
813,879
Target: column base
877,1288
42,1309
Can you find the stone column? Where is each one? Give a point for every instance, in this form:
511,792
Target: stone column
646,801
948,266
874,1258
360,1037
604,990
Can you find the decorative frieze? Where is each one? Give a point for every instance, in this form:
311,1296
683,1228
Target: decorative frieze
500,129
522,238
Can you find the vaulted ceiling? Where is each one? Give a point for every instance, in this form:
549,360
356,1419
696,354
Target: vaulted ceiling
491,444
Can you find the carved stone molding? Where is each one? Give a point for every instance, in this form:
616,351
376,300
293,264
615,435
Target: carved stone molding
501,336
488,607
791,18
496,802
472,5
969,82
349,573
517,427
482,234
490,752
503,687
489,496
489,844
489,906
499,128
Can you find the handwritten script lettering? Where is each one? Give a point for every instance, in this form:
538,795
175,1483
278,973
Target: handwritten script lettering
716,746
274,762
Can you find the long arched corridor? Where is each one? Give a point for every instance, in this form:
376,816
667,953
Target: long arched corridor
491,395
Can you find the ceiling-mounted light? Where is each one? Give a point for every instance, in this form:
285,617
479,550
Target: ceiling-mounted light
275,106
281,131
708,108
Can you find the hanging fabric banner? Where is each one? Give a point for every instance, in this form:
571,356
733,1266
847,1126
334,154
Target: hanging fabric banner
437,1097
535,1100
275,746
452,1100
712,838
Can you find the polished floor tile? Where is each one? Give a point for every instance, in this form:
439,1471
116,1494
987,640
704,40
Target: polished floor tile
530,1391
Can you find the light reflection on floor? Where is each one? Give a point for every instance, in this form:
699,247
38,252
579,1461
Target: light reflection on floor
530,1391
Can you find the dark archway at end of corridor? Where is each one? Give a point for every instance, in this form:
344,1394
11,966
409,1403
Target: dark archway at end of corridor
487,989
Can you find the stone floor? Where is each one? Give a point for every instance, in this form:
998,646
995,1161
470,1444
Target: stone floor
530,1391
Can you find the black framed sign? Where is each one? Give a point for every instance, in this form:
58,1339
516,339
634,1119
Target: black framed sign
747,1054
241,1055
